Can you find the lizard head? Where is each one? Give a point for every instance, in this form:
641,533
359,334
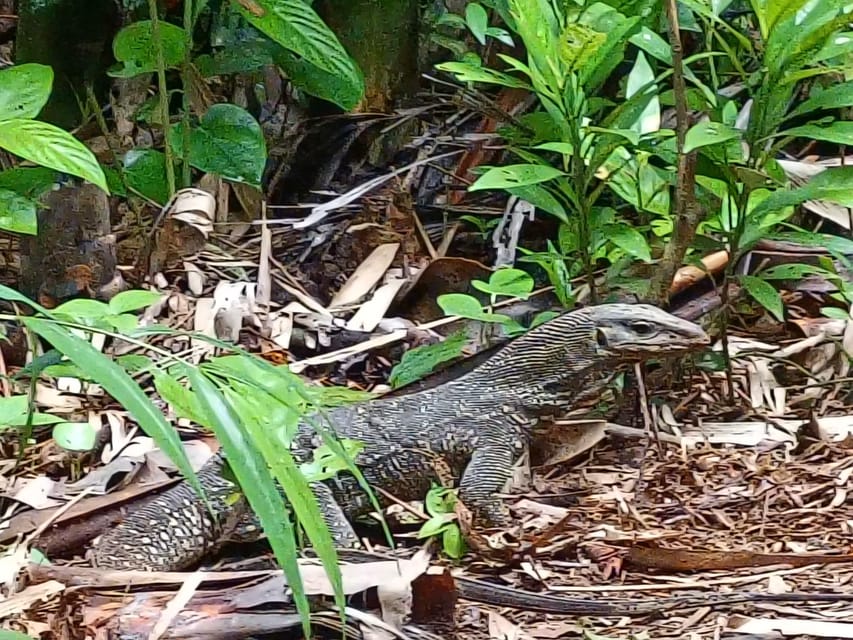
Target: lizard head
639,331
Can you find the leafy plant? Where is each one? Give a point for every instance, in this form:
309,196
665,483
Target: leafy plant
511,283
252,406
578,146
24,90
440,504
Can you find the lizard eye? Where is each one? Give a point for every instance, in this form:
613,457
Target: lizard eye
642,328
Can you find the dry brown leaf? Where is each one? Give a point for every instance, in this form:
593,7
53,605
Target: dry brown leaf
366,275
789,627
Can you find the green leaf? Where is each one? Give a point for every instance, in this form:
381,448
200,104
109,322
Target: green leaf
708,133
834,184
837,132
834,97
828,241
467,72
653,44
255,481
630,241
18,213
640,76
228,142
24,90
515,175
540,197
421,361
75,436
513,283
296,26
120,386
452,541
14,635
435,525
765,294
31,182
83,308
835,313
145,171
51,147
344,91
124,323
795,271
477,20
133,300
134,47
465,306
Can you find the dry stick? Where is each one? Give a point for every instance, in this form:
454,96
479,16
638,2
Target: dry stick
649,430
687,211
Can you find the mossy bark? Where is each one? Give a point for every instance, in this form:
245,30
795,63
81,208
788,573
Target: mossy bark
74,37
383,36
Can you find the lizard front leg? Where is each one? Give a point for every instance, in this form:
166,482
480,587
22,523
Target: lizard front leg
487,473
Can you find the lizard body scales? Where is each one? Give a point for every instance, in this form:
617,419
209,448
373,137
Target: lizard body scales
477,424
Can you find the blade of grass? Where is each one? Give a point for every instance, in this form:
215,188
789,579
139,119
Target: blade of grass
257,484
116,381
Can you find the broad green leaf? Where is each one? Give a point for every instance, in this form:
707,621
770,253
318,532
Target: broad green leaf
83,308
452,542
828,241
540,197
796,271
653,44
465,306
418,362
7,293
513,283
630,241
640,76
120,386
837,132
228,142
835,96
765,294
24,90
145,171
135,48
18,214
344,91
51,147
31,182
564,148
11,407
296,26
75,436
515,175
834,184
133,300
836,313
241,56
708,133
477,20
124,323
435,525
5,634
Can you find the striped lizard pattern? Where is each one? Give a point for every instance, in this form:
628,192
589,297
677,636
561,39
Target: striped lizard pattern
477,425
